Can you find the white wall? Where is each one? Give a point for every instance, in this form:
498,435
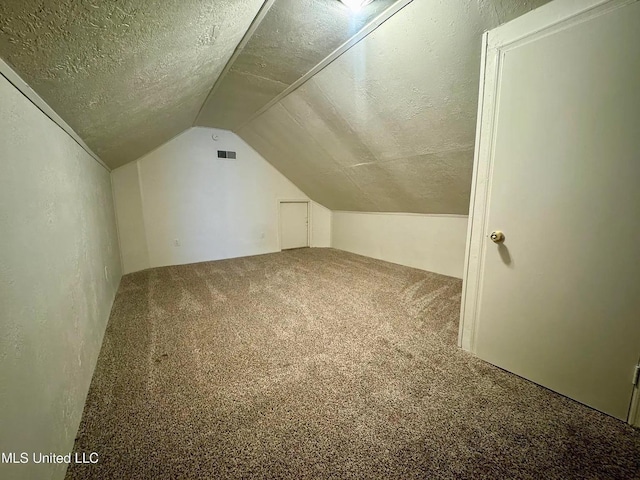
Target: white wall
58,235
128,204
321,219
181,204
430,242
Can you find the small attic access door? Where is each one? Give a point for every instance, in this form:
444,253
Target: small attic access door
294,224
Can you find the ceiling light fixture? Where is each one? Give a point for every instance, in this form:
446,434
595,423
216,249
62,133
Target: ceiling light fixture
356,5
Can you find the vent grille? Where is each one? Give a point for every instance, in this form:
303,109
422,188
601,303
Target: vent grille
226,154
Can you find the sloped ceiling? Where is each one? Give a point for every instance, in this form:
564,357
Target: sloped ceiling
390,125
126,75
294,37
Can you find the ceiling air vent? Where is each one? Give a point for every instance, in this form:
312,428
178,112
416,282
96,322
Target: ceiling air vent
226,154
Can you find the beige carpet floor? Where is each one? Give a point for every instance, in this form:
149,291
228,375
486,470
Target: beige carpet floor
316,363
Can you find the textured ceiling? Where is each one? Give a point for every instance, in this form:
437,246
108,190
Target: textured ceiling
390,125
294,37
126,75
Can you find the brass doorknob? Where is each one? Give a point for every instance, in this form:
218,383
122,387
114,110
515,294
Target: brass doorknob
497,236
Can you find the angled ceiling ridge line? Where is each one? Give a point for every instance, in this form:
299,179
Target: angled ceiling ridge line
23,87
257,20
333,56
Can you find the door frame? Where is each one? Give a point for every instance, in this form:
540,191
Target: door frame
546,20
309,209
634,409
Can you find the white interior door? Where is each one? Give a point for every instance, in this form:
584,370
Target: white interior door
558,171
294,230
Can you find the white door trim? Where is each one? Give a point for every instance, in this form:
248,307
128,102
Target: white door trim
551,18
309,219
634,409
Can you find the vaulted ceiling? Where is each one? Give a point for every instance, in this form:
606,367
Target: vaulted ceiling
294,37
388,126
125,75
128,75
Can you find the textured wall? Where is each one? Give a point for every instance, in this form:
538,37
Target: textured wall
215,208
126,75
294,37
128,202
58,235
390,125
435,243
